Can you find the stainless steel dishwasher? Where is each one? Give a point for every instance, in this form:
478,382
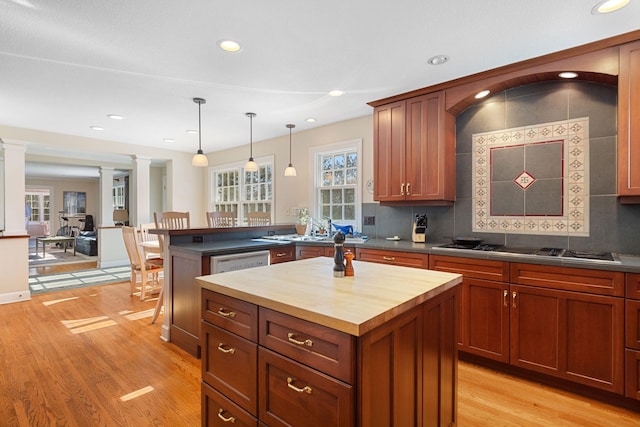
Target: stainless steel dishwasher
241,261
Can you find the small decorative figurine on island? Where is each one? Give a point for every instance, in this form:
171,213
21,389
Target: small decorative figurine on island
338,258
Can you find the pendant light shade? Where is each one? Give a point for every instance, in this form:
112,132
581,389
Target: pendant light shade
251,165
199,159
290,170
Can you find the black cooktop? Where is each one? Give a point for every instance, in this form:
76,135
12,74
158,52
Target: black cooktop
473,247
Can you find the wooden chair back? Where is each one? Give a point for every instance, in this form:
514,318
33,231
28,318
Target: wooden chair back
145,236
258,218
147,270
172,220
220,219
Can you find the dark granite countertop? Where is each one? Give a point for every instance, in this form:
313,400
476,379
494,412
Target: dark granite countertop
629,263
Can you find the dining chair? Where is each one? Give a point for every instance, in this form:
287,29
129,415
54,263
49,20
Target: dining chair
219,219
172,220
144,271
258,218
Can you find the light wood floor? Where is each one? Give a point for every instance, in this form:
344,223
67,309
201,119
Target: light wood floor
90,357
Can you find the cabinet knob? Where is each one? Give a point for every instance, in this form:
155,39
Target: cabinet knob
307,342
226,350
305,389
225,419
224,313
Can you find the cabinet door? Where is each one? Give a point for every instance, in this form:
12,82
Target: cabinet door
485,322
389,152
632,374
629,122
570,335
430,173
632,326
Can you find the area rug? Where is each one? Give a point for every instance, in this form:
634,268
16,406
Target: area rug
55,255
81,278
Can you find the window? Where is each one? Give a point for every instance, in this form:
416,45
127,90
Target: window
40,202
235,190
336,188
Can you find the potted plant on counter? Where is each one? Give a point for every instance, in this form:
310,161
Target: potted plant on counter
301,223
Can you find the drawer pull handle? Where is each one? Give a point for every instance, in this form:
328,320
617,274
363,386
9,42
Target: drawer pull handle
513,299
222,417
505,298
408,188
226,350
224,313
305,389
306,342
281,254
402,189
389,258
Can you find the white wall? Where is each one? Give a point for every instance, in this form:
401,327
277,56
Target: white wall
293,192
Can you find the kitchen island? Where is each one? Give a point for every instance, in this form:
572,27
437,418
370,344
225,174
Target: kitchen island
289,344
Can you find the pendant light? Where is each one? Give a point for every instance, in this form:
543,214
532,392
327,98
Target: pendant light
199,159
290,170
251,165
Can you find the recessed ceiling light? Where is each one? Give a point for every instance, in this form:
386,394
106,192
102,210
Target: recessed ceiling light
311,120
438,60
192,132
568,75
608,6
336,93
96,127
115,116
168,140
229,45
482,94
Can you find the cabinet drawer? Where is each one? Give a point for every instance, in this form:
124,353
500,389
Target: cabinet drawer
218,411
322,348
632,373
229,364
633,285
632,324
599,282
292,394
469,267
282,254
229,313
406,259
304,252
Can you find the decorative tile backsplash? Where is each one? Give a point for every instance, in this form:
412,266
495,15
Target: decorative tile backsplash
532,179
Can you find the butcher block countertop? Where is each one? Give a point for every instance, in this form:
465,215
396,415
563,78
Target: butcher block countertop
307,289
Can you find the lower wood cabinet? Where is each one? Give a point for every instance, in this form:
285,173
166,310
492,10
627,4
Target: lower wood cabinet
283,253
632,373
632,337
563,322
286,371
406,259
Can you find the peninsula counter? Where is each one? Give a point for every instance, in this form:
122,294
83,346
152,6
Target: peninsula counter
289,344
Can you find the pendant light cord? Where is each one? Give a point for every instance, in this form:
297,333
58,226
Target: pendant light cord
199,129
251,136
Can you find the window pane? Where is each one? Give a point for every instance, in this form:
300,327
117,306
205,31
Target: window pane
336,212
338,177
336,196
339,161
349,212
326,211
324,197
352,160
327,162
327,179
352,176
349,195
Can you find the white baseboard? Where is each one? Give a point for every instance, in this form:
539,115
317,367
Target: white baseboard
116,263
15,297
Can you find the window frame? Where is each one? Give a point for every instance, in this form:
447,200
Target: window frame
242,200
315,154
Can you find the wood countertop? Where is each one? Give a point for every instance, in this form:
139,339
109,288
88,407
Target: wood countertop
307,289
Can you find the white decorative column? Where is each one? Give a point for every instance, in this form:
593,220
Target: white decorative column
140,188
14,187
106,197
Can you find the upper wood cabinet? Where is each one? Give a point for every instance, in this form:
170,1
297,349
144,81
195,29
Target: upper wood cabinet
629,123
414,151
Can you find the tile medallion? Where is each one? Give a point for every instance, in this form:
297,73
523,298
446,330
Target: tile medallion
532,179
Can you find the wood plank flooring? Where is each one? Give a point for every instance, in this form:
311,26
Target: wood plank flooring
90,357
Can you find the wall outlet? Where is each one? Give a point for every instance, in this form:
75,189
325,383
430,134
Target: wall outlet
198,239
369,220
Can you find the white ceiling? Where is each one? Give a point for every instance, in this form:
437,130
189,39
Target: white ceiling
66,65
